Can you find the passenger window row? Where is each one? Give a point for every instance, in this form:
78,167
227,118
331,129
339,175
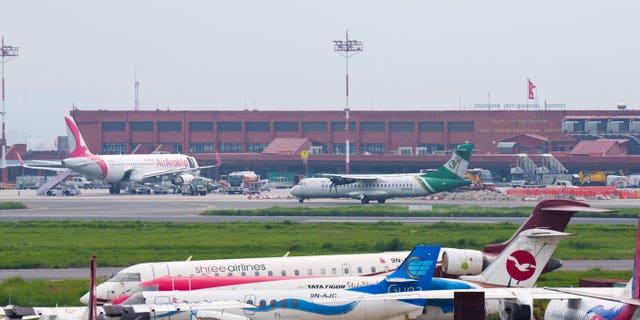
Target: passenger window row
309,272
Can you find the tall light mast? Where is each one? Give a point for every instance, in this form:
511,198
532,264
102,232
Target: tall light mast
347,48
6,53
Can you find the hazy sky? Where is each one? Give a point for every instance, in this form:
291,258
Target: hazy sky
278,55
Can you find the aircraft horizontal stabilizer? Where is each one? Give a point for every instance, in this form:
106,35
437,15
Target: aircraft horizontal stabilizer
570,208
581,294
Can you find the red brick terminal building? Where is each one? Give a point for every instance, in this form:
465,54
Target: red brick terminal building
381,141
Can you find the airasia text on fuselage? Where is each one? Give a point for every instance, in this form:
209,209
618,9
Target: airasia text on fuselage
172,163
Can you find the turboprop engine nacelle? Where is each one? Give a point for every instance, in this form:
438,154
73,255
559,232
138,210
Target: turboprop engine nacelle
183,179
461,262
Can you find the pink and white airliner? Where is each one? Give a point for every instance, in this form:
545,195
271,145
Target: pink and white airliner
119,169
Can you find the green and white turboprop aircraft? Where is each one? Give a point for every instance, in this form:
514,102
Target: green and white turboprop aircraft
380,187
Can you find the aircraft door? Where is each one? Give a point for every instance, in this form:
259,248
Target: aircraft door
162,300
250,299
346,269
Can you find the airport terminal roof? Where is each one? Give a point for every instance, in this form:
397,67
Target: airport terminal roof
599,147
287,145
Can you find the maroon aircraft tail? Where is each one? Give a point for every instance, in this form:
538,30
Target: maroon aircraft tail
549,214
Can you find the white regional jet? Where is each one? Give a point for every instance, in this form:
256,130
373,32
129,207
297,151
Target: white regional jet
414,274
380,187
117,169
518,266
551,214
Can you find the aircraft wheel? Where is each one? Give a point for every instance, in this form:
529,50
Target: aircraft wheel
381,200
301,200
364,200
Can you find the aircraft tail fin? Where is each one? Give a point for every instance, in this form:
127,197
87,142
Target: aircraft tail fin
76,142
522,262
456,167
218,160
549,214
413,274
20,159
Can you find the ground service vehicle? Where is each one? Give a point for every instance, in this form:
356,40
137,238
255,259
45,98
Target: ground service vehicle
197,187
241,181
64,189
481,179
598,178
82,182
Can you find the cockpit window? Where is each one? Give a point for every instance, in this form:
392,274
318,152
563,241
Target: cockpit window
192,162
126,277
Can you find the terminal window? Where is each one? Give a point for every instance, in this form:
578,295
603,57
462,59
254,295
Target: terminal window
372,126
230,147
373,148
113,126
201,147
431,126
169,126
114,148
401,126
229,126
314,126
141,126
201,126
256,147
460,126
285,126
261,126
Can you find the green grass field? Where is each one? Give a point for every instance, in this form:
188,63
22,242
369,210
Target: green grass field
30,244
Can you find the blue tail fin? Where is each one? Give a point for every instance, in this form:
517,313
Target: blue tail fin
414,273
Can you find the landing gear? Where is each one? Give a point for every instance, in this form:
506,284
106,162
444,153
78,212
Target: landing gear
381,200
364,200
114,188
301,200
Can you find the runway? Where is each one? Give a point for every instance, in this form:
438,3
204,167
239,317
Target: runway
99,205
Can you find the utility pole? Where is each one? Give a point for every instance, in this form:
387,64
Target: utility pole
347,48
6,53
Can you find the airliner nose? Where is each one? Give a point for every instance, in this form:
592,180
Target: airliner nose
295,191
85,299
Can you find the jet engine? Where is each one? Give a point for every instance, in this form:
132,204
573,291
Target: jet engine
461,262
183,179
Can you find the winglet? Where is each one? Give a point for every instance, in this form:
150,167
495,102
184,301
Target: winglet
76,142
414,274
